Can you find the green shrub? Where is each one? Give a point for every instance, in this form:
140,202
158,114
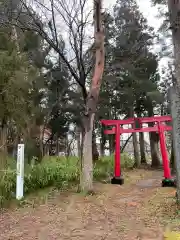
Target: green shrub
127,162
55,171
105,166
7,185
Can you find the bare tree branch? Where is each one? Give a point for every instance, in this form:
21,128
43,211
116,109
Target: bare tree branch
75,20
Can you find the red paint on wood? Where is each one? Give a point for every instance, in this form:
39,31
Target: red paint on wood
131,130
160,127
117,165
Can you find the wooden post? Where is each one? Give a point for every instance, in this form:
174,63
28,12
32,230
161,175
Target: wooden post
20,172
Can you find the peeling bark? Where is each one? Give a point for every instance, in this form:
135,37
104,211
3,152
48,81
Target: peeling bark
86,180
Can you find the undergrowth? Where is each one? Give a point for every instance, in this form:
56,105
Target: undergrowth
54,171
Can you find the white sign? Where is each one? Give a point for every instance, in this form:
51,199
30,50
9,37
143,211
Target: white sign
20,172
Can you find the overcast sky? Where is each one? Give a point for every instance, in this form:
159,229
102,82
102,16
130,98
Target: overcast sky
145,6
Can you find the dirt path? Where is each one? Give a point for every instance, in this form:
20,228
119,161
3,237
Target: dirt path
115,212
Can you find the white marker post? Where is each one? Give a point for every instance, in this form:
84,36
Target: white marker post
20,172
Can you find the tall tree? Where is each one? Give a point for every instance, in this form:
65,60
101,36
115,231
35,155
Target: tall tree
136,64
130,70
75,19
92,98
174,23
174,10
14,87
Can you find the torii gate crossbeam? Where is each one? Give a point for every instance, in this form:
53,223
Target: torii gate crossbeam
159,126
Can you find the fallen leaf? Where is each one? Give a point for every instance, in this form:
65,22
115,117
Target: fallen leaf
132,204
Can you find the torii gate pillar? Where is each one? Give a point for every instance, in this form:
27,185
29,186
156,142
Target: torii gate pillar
159,127
117,179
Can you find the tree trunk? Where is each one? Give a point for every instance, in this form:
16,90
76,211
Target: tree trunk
154,150
125,144
102,142
135,142
102,148
3,146
15,144
41,140
175,111
172,159
86,180
57,146
154,139
142,147
174,10
95,153
136,151
41,148
111,144
78,138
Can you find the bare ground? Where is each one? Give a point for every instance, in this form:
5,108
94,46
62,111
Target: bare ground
140,209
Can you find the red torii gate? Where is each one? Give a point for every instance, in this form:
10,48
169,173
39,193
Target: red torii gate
159,127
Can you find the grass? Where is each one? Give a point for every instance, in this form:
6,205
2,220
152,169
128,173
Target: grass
53,172
43,181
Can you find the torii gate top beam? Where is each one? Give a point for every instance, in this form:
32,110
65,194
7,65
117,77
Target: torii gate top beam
146,129
132,120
